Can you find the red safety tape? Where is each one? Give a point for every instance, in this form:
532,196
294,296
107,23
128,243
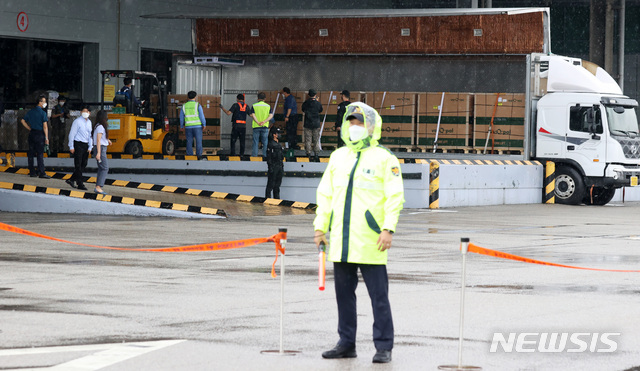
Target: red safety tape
498,254
227,245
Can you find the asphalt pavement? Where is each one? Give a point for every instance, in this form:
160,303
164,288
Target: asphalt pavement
73,307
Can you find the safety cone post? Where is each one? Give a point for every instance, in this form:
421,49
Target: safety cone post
281,352
464,248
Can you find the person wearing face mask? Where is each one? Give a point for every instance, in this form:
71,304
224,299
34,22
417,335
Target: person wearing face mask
36,122
359,200
58,125
80,144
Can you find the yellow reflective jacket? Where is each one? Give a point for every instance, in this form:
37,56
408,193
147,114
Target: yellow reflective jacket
360,194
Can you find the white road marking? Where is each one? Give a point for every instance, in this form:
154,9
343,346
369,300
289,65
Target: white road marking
111,354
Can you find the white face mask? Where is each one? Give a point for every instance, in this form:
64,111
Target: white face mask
357,132
85,115
44,105
61,104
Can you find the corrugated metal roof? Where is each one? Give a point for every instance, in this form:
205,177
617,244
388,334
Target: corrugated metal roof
343,13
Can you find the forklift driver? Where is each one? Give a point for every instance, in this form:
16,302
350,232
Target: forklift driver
128,92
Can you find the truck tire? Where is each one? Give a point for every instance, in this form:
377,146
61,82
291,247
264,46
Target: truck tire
169,144
599,196
134,148
569,188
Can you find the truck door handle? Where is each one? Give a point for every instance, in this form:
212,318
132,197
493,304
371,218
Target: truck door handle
571,148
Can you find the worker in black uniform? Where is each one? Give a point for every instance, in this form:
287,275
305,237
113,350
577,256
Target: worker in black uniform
342,108
275,156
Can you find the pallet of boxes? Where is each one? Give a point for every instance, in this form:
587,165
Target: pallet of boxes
443,122
504,114
211,109
397,110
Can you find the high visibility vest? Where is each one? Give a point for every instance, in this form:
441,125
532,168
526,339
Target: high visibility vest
243,108
191,114
261,110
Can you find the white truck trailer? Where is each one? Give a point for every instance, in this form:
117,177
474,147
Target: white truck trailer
580,120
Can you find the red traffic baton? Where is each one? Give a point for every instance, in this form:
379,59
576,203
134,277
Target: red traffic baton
321,266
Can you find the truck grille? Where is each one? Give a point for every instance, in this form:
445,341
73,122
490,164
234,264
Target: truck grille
630,147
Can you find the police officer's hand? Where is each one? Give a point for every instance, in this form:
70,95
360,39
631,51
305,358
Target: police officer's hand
384,240
319,237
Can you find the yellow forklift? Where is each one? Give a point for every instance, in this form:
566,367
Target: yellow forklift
137,130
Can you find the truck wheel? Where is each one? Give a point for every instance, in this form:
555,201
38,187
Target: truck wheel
134,148
169,145
599,195
569,186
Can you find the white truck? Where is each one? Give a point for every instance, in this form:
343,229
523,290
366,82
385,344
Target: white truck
580,120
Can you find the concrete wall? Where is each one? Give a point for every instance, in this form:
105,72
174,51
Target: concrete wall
460,185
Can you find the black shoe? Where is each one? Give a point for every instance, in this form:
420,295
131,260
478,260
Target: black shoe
340,352
33,175
71,183
45,176
382,356
82,187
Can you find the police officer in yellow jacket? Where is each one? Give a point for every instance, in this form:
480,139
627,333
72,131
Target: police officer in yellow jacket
359,200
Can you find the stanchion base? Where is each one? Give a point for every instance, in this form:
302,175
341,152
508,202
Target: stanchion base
459,368
278,353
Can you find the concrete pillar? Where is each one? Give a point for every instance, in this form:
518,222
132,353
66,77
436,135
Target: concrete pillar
597,31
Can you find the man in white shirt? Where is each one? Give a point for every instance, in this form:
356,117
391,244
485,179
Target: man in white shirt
80,144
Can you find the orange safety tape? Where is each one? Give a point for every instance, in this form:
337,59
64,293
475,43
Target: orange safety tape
498,254
188,248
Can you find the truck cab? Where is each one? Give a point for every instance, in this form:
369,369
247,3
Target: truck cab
589,129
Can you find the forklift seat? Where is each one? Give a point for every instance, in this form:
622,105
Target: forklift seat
121,99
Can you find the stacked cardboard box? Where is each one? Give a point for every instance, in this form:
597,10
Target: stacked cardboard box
398,116
508,122
454,121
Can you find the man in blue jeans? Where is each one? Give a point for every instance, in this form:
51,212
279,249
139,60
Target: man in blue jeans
261,114
193,122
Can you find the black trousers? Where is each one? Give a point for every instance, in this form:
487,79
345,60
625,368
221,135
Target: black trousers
238,132
346,281
80,157
275,174
36,148
292,131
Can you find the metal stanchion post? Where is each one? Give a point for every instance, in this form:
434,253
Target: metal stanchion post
283,242
281,351
464,248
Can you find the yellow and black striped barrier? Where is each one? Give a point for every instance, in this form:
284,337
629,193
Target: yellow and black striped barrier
434,185
114,199
549,196
179,190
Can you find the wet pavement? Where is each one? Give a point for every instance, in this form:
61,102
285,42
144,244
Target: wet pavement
63,304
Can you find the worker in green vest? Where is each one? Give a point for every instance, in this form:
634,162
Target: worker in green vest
261,114
359,201
193,122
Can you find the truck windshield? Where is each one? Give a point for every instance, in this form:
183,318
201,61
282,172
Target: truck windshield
622,120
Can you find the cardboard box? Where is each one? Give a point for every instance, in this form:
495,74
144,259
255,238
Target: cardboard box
454,120
397,110
508,121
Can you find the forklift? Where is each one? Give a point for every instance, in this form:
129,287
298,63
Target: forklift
137,130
